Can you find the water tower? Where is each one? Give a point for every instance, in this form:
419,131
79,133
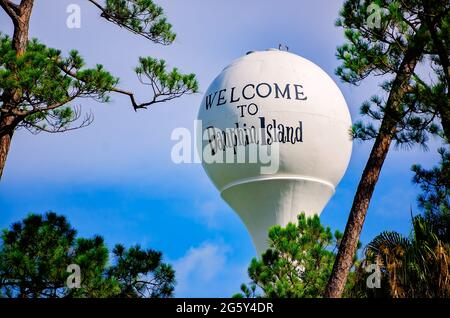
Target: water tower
293,104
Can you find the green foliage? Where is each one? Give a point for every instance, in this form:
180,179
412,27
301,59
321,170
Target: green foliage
165,85
298,262
92,257
35,253
418,266
142,17
411,37
129,268
379,51
38,74
46,81
32,252
414,267
370,49
247,291
39,85
435,197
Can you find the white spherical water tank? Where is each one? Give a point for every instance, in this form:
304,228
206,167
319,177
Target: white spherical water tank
294,104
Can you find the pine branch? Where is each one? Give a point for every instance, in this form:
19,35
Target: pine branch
140,17
161,92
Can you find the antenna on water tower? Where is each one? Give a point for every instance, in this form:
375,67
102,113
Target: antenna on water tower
283,47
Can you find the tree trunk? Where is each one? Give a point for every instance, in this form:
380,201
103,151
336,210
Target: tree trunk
369,178
21,28
444,113
8,122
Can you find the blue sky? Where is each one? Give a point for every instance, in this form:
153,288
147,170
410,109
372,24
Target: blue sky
116,178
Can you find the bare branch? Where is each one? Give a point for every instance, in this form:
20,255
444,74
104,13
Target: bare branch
97,5
11,9
129,94
14,6
23,112
58,126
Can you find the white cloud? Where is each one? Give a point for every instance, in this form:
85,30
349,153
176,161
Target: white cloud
206,271
210,213
200,265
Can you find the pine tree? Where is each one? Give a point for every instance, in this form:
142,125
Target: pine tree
36,252
418,265
39,84
298,262
435,197
408,33
130,268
